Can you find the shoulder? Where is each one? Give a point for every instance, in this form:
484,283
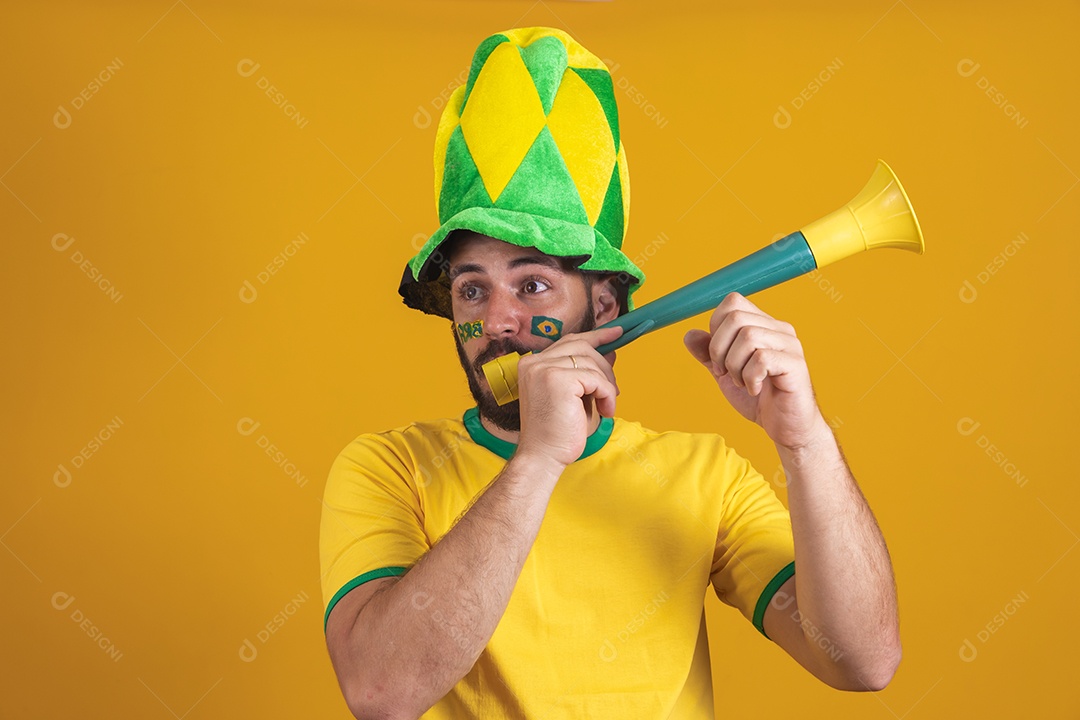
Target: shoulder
706,452
401,452
631,433
406,440
391,461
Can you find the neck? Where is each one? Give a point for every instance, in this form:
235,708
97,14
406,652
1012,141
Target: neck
511,436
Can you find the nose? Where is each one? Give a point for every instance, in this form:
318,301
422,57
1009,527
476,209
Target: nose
504,314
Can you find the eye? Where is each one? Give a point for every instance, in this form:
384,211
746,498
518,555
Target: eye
534,285
469,292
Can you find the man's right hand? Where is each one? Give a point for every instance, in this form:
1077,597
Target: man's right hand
556,397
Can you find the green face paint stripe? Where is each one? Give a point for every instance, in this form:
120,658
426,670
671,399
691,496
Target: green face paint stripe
469,330
546,327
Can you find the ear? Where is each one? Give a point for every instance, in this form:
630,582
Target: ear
605,300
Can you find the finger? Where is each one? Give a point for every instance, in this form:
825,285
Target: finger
604,397
734,302
599,365
751,338
606,407
595,338
587,402
724,335
591,383
697,342
778,366
585,355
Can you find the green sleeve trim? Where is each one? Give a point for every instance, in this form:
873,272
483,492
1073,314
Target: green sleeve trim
357,582
505,450
767,594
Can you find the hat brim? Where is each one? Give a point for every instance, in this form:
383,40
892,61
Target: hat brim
424,285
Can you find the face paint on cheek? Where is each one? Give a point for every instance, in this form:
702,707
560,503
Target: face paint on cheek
469,330
546,327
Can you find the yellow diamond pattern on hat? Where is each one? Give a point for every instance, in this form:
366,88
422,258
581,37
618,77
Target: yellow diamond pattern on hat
581,131
502,117
624,183
447,123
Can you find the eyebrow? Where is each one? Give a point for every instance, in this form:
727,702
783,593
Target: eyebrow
515,263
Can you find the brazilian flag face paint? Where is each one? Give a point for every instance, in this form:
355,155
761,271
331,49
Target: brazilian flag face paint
469,330
546,327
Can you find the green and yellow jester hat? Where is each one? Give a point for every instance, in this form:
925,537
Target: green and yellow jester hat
528,152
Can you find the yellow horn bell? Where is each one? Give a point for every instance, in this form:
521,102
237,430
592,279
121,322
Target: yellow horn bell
879,216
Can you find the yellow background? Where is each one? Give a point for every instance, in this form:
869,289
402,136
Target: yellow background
180,180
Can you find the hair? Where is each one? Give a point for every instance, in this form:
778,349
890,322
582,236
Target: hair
618,285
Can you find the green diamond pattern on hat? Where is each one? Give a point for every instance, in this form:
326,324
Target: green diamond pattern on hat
543,164
462,178
546,61
610,222
600,83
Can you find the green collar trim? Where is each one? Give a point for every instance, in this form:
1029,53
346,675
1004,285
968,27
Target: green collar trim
505,449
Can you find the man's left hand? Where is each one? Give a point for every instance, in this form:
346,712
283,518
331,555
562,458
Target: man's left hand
758,363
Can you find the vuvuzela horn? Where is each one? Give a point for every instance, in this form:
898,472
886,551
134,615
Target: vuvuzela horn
879,216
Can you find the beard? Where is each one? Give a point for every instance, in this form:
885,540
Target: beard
508,416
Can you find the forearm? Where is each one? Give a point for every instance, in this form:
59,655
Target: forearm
422,634
844,575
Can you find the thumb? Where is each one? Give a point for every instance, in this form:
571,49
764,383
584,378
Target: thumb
697,342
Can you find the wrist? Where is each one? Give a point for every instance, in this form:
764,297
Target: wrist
818,447
536,467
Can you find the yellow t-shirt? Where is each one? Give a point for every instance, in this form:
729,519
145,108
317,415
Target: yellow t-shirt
607,617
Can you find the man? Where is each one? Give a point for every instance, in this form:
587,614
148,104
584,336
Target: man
544,558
